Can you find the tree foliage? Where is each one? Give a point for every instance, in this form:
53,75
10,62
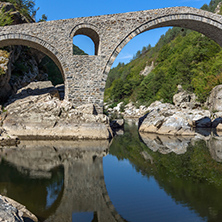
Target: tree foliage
25,7
5,18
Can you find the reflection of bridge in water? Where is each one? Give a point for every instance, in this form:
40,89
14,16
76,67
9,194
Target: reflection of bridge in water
84,185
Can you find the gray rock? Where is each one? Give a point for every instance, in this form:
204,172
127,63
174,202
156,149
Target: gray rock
216,122
214,101
165,118
11,211
37,111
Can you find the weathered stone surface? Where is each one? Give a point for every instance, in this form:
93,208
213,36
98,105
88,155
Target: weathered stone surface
184,99
214,101
12,211
130,110
37,111
204,122
164,118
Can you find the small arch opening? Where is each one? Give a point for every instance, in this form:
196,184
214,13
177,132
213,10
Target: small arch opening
87,40
83,45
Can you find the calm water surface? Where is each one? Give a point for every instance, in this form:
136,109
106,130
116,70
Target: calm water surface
136,178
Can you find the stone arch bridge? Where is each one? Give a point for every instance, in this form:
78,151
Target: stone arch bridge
85,76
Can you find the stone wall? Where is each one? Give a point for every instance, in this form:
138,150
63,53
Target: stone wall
85,76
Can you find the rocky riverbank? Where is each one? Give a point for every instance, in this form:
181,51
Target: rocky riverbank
36,111
184,118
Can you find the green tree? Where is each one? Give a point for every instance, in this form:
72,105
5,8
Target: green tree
5,18
43,19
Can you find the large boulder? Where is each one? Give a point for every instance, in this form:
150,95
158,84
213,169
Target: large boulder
184,99
214,101
165,118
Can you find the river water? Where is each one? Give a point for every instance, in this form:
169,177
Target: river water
132,178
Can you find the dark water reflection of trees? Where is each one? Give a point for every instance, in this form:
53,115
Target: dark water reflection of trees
192,178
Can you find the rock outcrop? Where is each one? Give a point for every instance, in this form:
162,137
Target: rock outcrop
214,101
164,118
185,100
12,211
36,111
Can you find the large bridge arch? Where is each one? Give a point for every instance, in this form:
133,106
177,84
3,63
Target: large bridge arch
194,19
36,43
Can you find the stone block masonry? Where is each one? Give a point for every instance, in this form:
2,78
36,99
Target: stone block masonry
85,76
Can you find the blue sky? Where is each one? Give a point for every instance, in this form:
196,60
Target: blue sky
57,9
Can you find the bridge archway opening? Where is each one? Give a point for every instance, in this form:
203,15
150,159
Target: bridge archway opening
205,27
83,45
85,31
27,62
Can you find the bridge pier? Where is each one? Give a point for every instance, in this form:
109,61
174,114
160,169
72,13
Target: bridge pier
85,81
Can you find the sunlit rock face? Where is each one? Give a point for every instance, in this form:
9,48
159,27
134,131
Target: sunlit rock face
36,110
214,101
167,119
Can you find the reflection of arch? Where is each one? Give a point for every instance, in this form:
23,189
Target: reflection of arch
39,44
199,23
88,30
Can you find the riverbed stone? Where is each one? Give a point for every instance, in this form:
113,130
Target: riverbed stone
214,101
36,110
185,99
165,118
12,211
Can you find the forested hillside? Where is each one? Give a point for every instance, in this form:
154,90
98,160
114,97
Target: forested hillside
181,56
